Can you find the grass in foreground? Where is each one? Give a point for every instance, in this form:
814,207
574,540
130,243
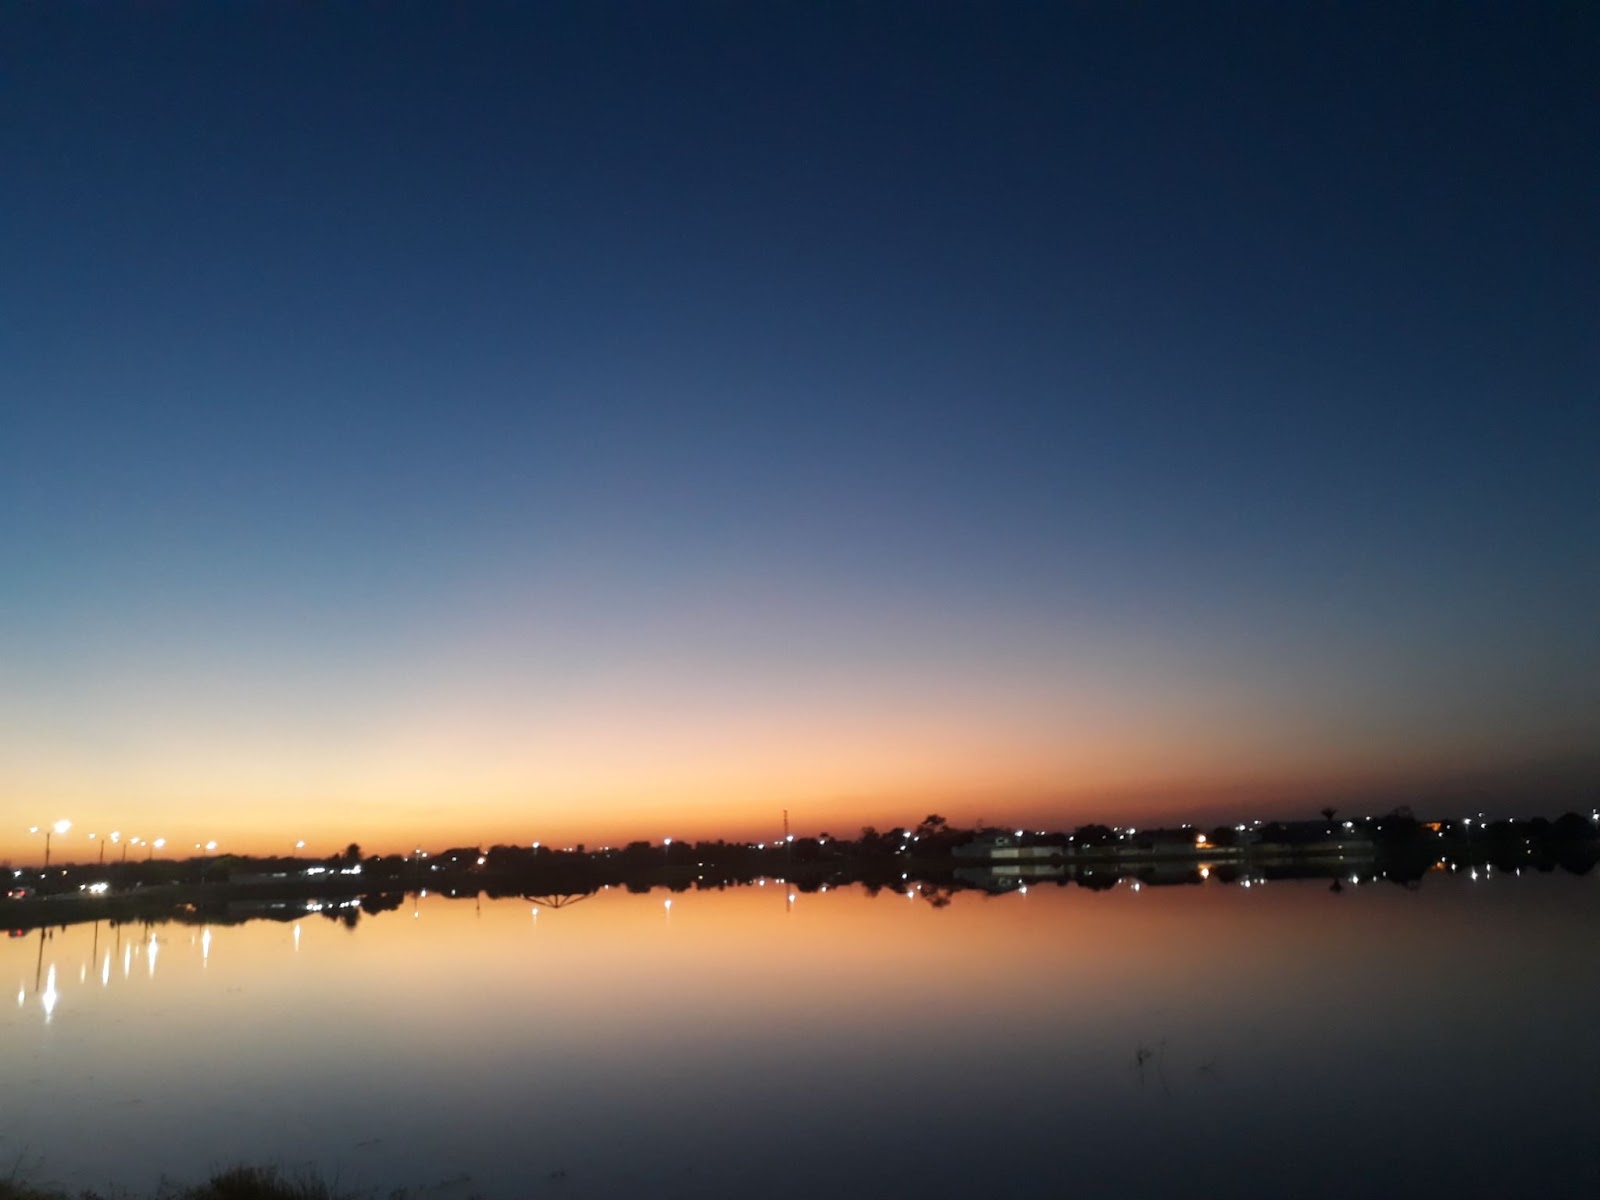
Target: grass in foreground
236,1183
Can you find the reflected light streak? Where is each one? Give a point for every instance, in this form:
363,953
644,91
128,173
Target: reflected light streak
205,945
105,970
50,994
127,960
155,951
297,937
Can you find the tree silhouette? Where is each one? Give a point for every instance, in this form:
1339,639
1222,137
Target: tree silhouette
352,853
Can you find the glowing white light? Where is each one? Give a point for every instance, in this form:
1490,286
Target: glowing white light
155,951
205,945
669,905
50,994
300,845
127,960
211,845
1205,872
105,970
297,936
22,997
62,825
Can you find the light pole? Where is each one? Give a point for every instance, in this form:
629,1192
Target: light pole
60,826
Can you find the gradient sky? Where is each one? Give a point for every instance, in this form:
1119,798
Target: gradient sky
589,421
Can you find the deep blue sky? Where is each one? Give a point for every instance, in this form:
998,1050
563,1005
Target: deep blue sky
1206,389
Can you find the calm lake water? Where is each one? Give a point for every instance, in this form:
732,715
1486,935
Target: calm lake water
1268,1041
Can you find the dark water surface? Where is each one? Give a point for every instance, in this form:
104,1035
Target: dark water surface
1267,1041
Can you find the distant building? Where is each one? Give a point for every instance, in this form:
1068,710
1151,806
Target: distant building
997,846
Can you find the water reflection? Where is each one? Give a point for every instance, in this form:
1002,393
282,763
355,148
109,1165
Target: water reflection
1210,1019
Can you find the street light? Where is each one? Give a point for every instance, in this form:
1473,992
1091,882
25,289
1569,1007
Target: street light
60,826
152,847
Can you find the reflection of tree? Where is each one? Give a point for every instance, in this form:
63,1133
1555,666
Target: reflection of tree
380,902
561,900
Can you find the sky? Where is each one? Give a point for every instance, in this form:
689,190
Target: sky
431,424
